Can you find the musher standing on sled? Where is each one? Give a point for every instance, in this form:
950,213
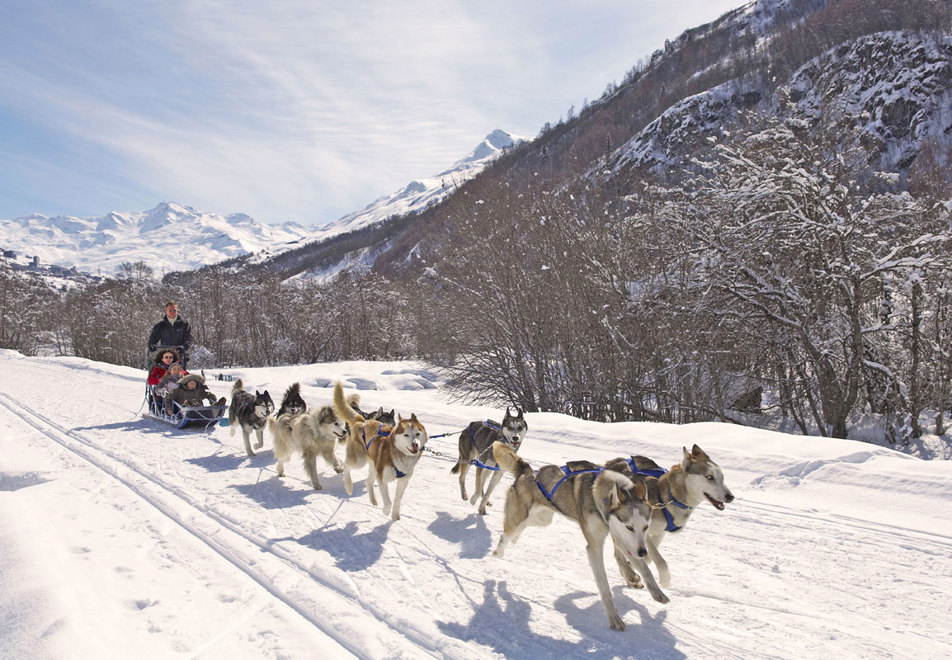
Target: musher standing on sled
172,330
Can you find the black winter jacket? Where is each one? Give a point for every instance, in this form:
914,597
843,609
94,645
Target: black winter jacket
166,333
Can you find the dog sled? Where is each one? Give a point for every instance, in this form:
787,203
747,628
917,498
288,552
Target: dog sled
180,416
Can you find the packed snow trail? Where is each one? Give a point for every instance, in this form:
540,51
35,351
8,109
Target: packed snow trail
831,546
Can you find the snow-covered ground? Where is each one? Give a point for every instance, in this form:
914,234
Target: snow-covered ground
123,537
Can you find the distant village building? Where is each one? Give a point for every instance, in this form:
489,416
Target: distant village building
9,254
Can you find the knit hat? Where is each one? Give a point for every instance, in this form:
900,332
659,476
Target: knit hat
176,364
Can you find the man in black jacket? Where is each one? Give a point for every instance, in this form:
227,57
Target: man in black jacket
172,330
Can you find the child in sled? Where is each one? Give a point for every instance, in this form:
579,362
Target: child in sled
170,380
191,391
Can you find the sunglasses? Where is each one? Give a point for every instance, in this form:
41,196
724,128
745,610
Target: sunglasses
168,357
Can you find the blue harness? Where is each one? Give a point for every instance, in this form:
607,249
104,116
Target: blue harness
568,473
380,434
670,527
495,427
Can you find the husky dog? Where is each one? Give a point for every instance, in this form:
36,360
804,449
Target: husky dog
601,501
475,444
292,404
673,497
313,433
391,452
251,412
379,414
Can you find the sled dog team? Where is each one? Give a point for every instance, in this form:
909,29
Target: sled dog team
632,499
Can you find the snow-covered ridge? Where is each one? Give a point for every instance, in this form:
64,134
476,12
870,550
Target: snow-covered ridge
893,86
168,237
175,237
415,196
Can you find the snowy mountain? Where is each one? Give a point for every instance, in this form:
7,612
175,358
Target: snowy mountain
891,88
413,198
169,237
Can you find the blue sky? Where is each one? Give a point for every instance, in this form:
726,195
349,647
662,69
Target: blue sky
301,110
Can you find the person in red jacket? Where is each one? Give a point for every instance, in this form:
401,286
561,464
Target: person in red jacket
162,360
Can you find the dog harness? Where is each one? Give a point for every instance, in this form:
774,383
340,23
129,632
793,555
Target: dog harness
549,494
495,427
648,473
670,527
380,434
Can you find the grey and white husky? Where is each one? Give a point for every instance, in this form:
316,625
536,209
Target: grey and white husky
601,501
250,411
475,444
673,495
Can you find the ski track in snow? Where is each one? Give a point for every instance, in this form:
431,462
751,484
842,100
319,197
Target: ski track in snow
757,580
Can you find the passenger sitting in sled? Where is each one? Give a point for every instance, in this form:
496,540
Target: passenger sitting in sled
191,391
170,380
162,360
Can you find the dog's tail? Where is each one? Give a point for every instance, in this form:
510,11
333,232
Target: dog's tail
342,408
294,390
509,460
237,387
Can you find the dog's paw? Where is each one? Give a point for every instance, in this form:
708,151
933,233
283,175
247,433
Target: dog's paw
481,511
259,445
338,469
474,498
614,620
634,582
660,596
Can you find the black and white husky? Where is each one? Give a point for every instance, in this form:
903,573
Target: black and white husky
475,446
603,502
251,412
292,404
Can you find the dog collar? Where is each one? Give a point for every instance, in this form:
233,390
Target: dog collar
671,526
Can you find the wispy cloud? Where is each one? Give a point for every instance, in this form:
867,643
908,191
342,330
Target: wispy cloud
297,110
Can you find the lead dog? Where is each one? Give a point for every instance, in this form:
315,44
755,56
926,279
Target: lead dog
475,444
601,501
392,452
251,411
673,496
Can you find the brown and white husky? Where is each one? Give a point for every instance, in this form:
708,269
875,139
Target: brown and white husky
391,452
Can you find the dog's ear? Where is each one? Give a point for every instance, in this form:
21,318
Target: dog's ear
686,458
641,492
698,453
